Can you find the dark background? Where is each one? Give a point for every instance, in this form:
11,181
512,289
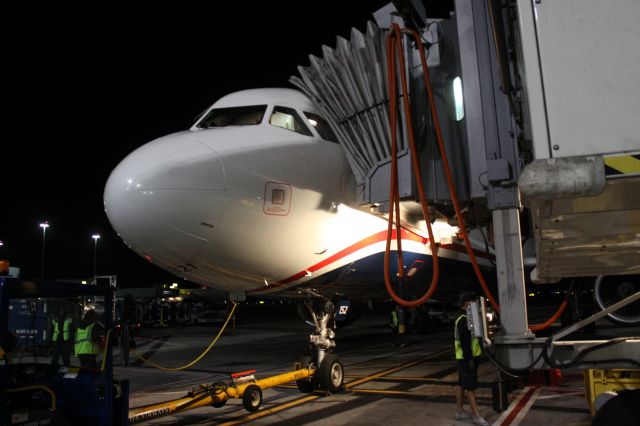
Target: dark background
85,84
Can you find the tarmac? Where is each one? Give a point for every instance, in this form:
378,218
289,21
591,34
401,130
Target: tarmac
384,384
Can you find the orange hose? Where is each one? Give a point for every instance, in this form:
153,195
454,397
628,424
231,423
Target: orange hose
547,324
394,40
394,45
454,196
447,170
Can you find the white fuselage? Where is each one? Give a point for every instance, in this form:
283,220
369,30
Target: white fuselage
255,208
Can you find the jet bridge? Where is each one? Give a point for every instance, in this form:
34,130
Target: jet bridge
537,104
350,84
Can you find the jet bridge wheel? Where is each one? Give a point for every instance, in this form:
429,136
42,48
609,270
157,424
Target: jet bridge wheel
611,289
309,384
331,373
252,398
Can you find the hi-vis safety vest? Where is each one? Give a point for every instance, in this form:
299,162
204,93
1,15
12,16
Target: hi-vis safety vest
66,326
475,345
84,344
394,319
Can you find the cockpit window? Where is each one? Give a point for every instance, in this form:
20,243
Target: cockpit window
322,127
288,118
234,116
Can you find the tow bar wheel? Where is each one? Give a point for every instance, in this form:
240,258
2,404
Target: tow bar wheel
331,373
252,398
218,388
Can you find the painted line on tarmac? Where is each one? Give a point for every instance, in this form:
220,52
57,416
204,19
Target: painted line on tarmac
431,377
313,397
518,408
396,369
394,354
414,395
151,350
273,410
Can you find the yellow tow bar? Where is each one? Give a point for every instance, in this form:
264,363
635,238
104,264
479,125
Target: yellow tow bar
242,385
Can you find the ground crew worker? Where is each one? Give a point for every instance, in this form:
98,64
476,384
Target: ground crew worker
468,354
88,334
393,323
7,345
396,321
61,336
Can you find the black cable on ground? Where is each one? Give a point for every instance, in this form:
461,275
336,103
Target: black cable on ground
578,359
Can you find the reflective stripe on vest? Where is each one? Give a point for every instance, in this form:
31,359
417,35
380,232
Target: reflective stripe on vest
66,326
84,344
394,319
475,345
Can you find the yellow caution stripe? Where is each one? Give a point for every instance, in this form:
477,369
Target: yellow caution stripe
622,165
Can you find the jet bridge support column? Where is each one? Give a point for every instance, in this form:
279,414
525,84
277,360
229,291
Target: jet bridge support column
515,345
510,270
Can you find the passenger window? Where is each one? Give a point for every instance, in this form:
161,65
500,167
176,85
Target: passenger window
288,118
235,116
322,127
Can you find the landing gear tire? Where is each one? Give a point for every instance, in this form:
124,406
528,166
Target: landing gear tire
252,398
309,384
331,373
218,388
611,289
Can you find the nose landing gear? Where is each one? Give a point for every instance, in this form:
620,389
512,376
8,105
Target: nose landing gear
330,371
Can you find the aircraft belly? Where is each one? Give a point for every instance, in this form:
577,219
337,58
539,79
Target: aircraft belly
364,278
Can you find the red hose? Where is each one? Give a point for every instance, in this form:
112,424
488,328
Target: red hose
394,42
447,170
547,324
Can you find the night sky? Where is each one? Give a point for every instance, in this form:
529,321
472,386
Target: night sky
85,84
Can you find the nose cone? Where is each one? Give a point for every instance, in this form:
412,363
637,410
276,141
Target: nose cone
163,198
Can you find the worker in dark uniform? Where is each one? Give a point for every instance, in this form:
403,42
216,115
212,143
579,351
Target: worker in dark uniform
88,336
61,336
7,345
468,354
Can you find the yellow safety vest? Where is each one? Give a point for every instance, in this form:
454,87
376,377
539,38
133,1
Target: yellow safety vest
65,329
394,319
475,345
84,344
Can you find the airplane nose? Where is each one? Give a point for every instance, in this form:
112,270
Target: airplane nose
163,199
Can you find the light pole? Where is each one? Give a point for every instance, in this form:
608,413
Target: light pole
95,237
44,227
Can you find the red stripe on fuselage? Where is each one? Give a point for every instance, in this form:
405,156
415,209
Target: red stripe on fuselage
373,239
